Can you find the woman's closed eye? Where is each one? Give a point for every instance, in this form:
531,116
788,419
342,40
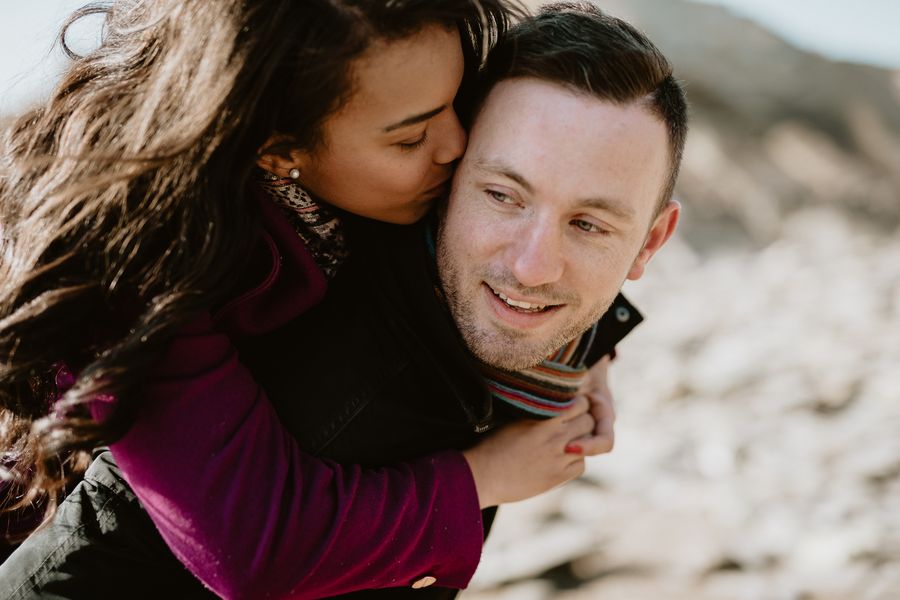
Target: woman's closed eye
414,143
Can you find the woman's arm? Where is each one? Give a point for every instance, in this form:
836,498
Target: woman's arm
249,514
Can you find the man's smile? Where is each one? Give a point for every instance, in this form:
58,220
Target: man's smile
520,313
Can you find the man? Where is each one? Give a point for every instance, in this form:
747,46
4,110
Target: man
564,193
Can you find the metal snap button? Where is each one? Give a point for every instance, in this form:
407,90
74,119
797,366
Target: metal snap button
424,582
623,314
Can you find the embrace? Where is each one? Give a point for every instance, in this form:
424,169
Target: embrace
294,294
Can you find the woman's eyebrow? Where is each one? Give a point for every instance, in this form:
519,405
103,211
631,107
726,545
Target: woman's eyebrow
415,119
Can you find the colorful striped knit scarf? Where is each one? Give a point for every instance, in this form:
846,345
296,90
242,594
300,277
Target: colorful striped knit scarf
541,391
547,388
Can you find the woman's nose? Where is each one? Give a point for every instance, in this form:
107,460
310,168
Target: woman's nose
452,139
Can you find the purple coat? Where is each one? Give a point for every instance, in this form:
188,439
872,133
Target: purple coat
207,444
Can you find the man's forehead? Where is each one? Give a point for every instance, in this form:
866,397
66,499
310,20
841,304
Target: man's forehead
552,140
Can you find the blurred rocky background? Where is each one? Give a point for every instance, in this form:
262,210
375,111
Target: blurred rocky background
758,432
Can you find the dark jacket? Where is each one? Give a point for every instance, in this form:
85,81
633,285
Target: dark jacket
390,380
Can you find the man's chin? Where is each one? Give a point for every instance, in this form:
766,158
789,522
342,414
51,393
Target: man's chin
516,350
514,364
498,354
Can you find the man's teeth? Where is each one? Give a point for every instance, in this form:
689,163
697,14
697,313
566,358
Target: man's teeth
517,304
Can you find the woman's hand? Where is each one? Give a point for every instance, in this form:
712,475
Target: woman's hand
526,458
596,388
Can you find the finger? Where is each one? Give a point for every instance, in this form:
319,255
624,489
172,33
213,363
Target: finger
579,407
592,445
603,438
597,376
575,469
579,427
606,426
572,469
603,410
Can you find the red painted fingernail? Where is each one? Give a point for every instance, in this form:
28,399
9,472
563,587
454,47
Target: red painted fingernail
574,449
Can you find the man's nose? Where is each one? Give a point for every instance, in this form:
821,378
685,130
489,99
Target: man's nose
452,139
537,256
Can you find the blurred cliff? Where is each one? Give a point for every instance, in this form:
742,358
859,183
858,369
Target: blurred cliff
774,128
757,454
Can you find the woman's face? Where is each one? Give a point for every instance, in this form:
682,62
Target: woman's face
389,152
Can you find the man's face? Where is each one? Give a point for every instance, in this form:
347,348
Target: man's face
552,208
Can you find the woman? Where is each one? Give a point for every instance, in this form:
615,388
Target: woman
129,227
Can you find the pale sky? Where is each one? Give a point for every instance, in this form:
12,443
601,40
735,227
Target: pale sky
856,30
29,64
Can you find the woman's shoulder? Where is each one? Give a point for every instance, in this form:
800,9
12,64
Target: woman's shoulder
280,280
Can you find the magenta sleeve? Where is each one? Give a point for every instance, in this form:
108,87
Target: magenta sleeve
252,516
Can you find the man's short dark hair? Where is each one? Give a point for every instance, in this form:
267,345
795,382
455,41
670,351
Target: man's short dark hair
578,46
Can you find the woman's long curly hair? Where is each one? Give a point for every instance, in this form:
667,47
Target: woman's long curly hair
122,204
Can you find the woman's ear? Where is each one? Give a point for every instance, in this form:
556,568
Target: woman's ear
663,227
282,162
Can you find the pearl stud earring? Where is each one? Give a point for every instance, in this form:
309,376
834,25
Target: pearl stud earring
294,173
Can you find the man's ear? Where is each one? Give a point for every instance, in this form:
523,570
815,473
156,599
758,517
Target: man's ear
280,163
663,227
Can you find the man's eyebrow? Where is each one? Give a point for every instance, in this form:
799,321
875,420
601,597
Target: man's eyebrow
415,119
620,209
500,168
623,210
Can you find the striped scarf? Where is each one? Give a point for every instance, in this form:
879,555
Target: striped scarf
548,388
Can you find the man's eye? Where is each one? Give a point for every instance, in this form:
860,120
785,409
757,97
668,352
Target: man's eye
500,197
586,226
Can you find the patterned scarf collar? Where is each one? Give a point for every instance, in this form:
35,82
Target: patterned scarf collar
315,223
